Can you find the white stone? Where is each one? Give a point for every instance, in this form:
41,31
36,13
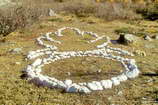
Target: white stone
83,84
68,82
115,81
122,77
98,84
92,86
132,74
61,85
74,88
84,89
107,84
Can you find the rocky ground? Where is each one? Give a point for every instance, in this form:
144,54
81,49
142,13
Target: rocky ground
140,91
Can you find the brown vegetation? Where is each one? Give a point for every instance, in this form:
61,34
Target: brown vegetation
30,11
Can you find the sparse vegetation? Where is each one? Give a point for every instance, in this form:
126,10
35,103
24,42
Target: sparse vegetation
130,30
19,17
29,11
149,12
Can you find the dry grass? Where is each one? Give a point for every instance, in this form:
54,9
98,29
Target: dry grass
20,16
28,11
15,91
105,10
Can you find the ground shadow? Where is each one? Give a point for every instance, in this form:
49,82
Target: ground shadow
150,74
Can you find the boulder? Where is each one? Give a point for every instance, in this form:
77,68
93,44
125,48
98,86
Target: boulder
128,39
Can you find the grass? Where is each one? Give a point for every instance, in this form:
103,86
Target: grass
15,91
25,12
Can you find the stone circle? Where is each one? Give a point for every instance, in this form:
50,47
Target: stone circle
33,71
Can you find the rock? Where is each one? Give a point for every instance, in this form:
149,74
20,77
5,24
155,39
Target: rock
16,50
99,86
106,84
92,86
146,37
128,39
115,81
51,13
73,88
84,89
37,62
156,37
122,77
132,74
68,82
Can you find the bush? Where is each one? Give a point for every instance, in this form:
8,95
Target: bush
116,10
18,17
81,9
105,10
30,11
150,12
130,30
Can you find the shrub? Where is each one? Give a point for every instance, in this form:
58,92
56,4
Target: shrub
18,17
116,10
130,30
30,11
105,10
150,12
81,9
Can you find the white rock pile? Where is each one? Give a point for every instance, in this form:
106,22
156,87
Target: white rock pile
33,70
